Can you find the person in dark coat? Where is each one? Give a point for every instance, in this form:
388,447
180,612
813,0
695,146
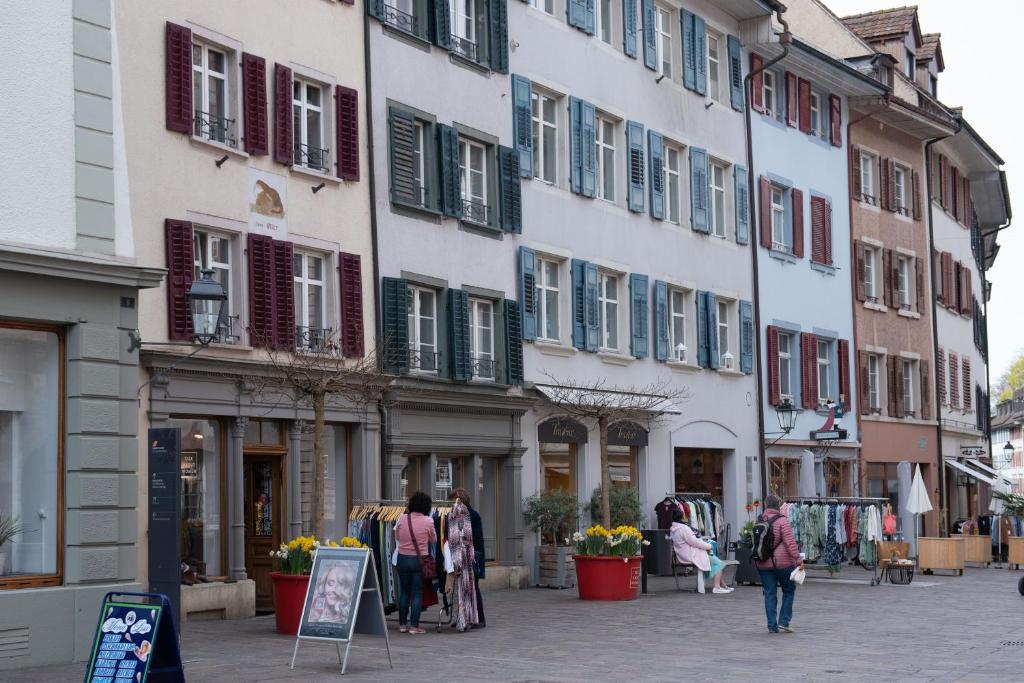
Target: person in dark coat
478,548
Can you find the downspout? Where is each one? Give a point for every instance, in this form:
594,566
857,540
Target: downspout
785,38
988,366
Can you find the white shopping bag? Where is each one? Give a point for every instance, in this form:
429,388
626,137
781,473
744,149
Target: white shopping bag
798,575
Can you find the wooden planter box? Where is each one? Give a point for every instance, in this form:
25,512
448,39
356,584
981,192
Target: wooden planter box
977,548
1016,551
556,567
941,553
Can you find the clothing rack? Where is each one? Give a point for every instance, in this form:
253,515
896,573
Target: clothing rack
856,500
690,494
388,510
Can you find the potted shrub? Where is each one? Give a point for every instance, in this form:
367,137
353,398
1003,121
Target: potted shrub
294,563
553,513
624,503
9,528
608,562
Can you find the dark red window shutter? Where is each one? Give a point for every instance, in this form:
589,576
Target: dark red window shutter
791,99
948,284
180,272
262,302
346,108
809,369
774,396
926,407
843,355
766,213
827,231
915,180
884,184
865,383
178,78
861,263
798,223
887,279
351,305
940,374
254,101
919,272
757,83
835,119
284,144
805,106
817,229
943,182
284,293
954,199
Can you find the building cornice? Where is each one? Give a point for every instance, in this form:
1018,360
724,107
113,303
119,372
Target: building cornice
78,266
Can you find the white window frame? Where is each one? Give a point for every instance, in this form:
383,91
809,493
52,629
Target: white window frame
673,184
466,175
678,313
778,209
824,364
462,15
302,131
603,20
477,333
204,73
545,6
786,365
540,170
663,43
871,257
867,176
718,200
874,385
903,269
603,144
724,312
768,92
222,272
817,125
714,63
419,160
543,286
900,175
605,304
907,385
304,283
414,319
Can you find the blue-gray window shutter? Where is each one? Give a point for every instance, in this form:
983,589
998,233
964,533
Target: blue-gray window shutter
575,146
401,140
513,343
592,282
635,145
700,48
689,50
528,292
656,151
735,73
580,13
448,153
583,176
638,315
579,304
746,337
591,18
458,335
395,314
742,185
629,27
650,39
712,328
511,212
498,10
442,24
702,330
661,321
699,190
522,123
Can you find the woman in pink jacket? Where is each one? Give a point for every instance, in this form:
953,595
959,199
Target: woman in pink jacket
775,572
692,550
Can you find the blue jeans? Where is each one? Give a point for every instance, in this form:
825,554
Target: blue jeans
410,582
771,580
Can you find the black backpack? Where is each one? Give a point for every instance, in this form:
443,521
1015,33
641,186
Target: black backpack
763,538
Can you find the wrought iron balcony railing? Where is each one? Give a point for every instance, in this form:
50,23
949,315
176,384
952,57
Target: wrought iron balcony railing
421,360
396,18
485,368
313,339
315,158
476,212
214,128
230,331
464,47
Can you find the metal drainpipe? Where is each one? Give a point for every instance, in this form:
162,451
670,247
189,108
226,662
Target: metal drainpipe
988,367
785,38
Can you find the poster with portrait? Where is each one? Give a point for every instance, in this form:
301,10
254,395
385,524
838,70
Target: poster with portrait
332,599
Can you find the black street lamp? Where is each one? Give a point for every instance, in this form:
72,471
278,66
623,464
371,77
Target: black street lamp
786,412
1008,454
209,301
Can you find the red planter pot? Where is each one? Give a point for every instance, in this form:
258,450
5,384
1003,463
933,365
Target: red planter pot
289,594
607,578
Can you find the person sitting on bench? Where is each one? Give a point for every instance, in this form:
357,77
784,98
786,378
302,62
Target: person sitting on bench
689,549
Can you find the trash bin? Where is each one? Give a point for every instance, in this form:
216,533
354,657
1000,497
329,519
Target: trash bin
657,555
746,572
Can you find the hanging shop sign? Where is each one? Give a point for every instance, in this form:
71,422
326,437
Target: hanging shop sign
135,640
561,430
972,452
626,434
268,202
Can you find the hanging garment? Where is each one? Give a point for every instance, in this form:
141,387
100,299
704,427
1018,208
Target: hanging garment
833,552
460,541
663,513
840,526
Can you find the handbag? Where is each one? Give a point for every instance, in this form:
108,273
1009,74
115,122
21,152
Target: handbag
427,564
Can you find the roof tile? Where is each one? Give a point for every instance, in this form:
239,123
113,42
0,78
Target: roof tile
882,23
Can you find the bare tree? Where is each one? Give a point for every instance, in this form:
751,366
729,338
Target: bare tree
315,374
605,404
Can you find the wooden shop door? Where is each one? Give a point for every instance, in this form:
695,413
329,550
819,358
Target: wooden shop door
263,520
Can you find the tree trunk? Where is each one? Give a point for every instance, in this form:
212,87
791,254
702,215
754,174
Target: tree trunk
606,476
319,465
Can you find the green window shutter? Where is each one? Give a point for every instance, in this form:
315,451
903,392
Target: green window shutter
528,292
701,50
511,199
689,50
395,314
638,315
661,321
635,146
712,329
401,142
592,283
448,153
579,304
746,337
522,123
650,39
699,190
703,352
513,343
442,24
376,9
629,28
742,185
656,152
735,73
461,364
498,10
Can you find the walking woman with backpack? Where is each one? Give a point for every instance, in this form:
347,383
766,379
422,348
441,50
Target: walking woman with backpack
776,555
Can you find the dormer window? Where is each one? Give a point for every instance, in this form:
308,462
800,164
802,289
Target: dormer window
933,85
909,64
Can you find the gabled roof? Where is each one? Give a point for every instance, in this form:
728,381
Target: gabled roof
885,23
931,46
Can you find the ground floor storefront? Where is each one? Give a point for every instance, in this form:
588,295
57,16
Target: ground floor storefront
885,445
836,469
969,475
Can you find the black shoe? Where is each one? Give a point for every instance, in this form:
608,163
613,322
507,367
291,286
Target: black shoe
480,625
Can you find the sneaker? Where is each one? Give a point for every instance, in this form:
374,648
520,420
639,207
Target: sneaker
722,591
416,630
773,630
785,628
403,629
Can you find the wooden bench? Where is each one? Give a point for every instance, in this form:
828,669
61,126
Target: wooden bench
689,569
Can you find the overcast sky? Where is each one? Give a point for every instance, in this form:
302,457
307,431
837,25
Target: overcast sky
979,44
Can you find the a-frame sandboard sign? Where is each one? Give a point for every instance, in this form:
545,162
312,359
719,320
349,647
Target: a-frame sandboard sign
135,641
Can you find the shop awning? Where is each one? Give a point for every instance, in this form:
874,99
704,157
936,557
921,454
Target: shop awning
973,468
609,398
989,470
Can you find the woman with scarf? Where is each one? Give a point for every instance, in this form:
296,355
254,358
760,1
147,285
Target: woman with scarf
460,543
479,566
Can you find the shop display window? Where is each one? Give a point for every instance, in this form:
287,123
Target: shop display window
202,502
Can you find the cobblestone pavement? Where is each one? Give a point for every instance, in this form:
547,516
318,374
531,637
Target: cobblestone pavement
940,628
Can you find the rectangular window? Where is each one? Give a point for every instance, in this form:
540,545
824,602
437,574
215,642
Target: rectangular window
402,14
481,339
473,181
900,180
785,366
816,123
546,6
779,238
717,213
547,299
663,30
673,189
212,251
422,315
463,20
419,161
310,324
202,507
308,125
867,177
874,397
725,356
678,314
870,273
909,64
210,95
30,453
908,387
603,20
605,153
768,91
545,137
714,66
824,372
608,302
903,270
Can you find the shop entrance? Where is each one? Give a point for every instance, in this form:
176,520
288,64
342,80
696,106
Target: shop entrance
263,523
699,470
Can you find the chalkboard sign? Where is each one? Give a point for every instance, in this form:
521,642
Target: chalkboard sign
135,641
342,599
